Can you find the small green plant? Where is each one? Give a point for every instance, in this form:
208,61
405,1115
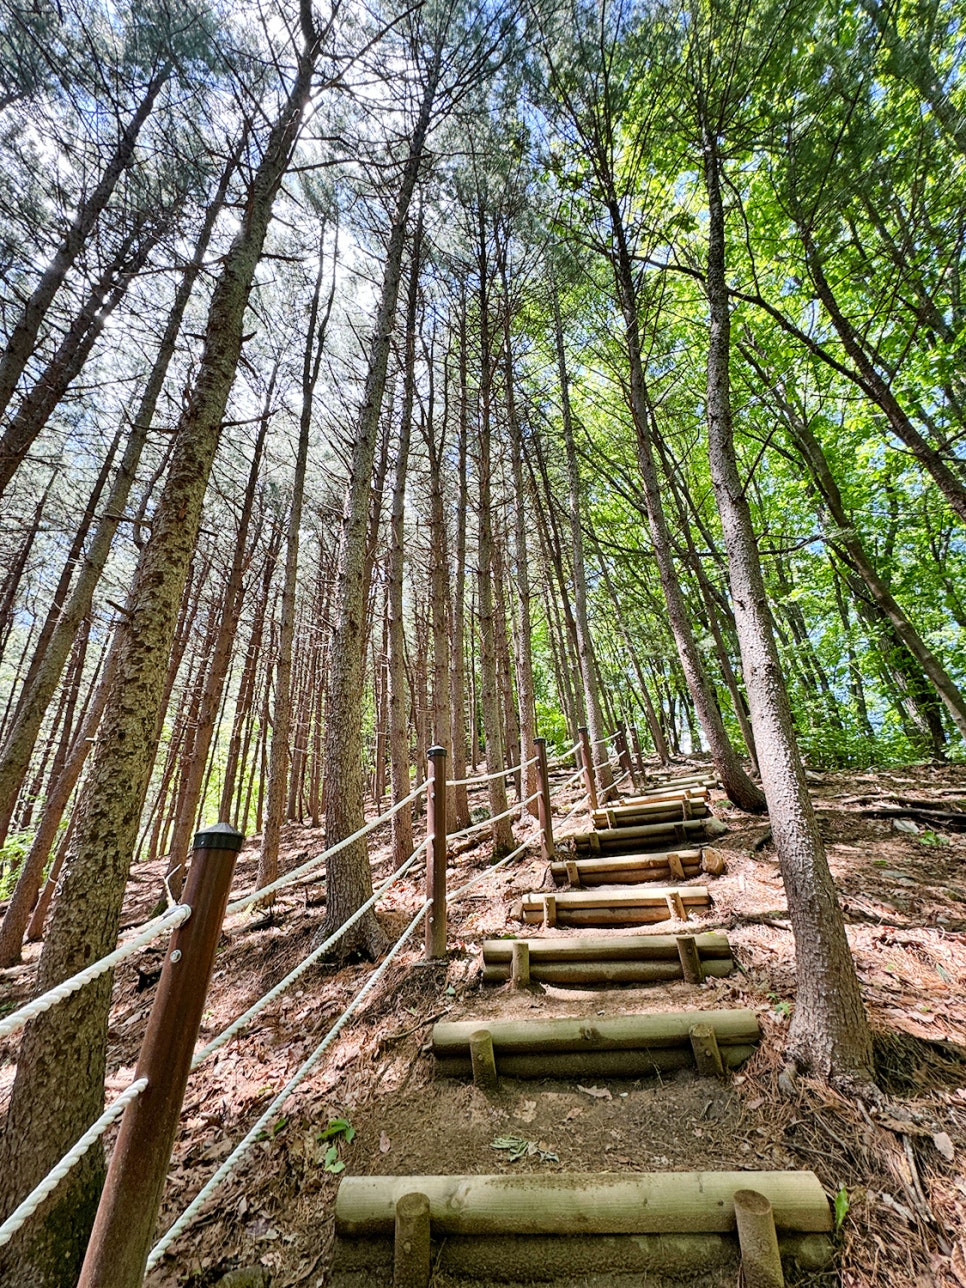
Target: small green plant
338,1131
841,1207
932,838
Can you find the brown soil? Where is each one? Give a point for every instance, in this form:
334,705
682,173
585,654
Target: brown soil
900,1164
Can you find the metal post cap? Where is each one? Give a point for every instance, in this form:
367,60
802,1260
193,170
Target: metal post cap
538,740
220,836
436,751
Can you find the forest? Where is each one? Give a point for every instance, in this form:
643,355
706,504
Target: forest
379,378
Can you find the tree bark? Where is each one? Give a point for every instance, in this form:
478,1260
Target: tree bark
830,1034
55,1099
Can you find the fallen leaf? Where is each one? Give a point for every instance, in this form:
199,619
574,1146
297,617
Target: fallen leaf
528,1112
598,1093
574,1113
944,1145
755,1104
385,1144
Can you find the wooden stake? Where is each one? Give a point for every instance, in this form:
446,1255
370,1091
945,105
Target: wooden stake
543,802
549,910
483,1060
573,874
761,1263
690,958
707,1056
676,905
411,1251
520,964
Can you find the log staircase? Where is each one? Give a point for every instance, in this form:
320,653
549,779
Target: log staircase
596,1228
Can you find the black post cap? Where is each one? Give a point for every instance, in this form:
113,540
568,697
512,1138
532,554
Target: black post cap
220,836
436,751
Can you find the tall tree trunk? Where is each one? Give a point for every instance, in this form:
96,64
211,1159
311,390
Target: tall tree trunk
349,879
830,1033
402,823
55,1099
735,781
43,679
585,644
279,758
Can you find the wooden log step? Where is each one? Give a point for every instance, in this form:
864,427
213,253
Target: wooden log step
678,783
629,869
681,832
620,959
624,815
586,1203
580,1065
650,1029
611,907
711,945
520,1261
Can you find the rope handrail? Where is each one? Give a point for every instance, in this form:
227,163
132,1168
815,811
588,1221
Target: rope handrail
246,901
476,827
480,876
38,1194
266,999
233,1159
608,737
564,755
169,920
567,783
488,778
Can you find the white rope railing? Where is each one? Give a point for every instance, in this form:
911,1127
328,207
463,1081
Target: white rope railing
235,1157
256,1008
488,778
486,822
564,755
608,737
296,874
168,921
73,1156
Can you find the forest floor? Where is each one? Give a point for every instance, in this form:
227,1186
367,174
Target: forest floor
899,1169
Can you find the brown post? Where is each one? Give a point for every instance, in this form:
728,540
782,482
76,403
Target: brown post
638,754
436,855
128,1211
623,754
547,850
587,764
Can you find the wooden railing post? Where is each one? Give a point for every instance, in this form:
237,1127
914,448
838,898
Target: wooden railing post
128,1210
587,764
623,753
638,754
543,801
436,855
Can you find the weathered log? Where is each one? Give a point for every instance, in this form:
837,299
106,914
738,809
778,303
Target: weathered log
591,948
600,973
520,964
622,816
584,1203
678,794
588,1065
708,1056
642,906
761,1263
623,839
627,869
601,1033
713,861
527,1259
482,1059
689,957
411,1263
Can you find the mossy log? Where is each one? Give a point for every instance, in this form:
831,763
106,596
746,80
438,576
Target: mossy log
625,959
641,906
600,1033
644,836
710,944
602,973
517,1259
630,869
582,1203
588,1065
624,815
